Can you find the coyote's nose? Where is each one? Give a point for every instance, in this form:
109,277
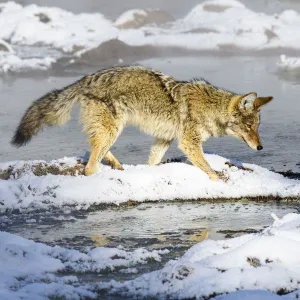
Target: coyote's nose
260,147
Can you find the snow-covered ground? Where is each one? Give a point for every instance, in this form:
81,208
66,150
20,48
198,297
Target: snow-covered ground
29,270
252,266
139,183
211,25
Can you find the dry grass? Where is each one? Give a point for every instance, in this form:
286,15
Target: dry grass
41,169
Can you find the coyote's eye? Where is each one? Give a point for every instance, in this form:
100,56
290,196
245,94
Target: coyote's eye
248,126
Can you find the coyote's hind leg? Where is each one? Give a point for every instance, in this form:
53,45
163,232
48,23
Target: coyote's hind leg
103,127
99,146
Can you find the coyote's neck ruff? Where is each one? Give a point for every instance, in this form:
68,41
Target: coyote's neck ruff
158,104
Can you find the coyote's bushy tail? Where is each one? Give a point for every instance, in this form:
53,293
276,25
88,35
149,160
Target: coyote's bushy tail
53,108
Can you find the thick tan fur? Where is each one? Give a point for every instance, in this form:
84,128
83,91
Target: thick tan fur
158,104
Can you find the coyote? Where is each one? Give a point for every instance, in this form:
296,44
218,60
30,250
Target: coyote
160,105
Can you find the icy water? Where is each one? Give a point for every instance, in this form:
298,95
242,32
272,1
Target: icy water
173,226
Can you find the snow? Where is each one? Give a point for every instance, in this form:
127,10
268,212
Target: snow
54,27
252,266
256,265
12,62
62,29
137,183
211,25
9,61
137,18
288,63
28,269
5,47
129,16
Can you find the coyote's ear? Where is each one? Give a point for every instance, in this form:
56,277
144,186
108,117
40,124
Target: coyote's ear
260,101
247,102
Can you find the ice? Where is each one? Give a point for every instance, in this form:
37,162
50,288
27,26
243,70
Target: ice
25,191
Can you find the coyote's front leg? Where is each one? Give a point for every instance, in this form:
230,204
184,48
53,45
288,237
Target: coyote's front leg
191,145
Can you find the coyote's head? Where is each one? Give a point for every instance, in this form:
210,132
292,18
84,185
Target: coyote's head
244,118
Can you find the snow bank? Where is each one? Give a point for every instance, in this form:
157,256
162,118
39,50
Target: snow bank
12,62
211,25
26,191
218,25
28,269
9,61
52,26
288,63
256,264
